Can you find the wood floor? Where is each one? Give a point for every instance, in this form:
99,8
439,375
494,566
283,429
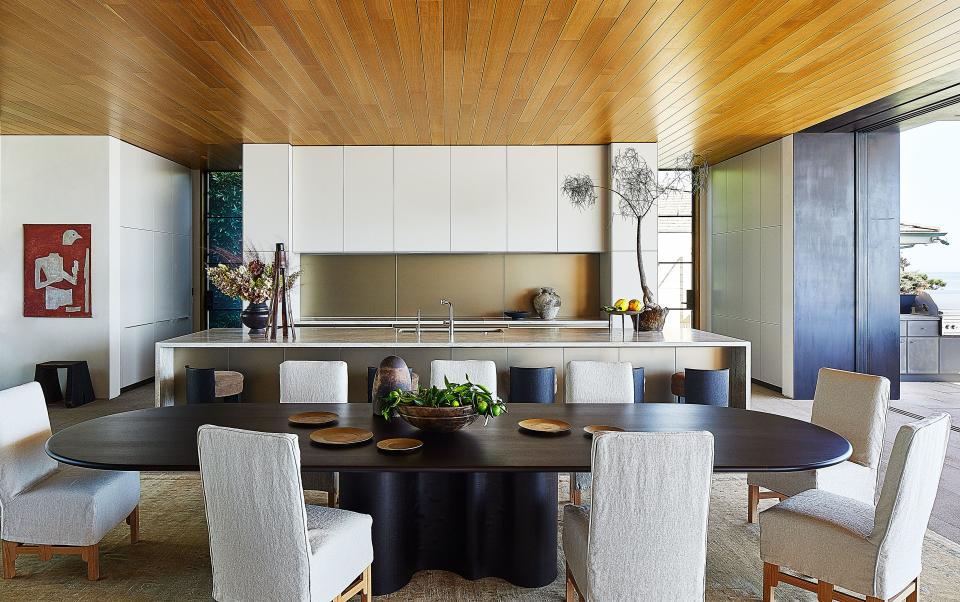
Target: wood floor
917,398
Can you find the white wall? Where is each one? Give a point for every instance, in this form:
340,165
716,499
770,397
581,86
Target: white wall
749,257
54,179
138,205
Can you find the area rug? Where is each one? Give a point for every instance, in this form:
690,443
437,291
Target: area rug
172,563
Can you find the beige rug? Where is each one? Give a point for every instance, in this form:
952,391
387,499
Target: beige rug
171,563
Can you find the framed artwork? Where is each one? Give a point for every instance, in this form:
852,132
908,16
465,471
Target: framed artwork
56,271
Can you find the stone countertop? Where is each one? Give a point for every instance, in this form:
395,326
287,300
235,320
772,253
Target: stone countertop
509,337
918,317
433,322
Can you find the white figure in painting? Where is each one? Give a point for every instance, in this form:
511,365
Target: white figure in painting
51,269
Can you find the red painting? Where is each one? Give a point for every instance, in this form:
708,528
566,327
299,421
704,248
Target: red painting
56,270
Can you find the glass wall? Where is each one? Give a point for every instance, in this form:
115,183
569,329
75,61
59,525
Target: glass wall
224,241
675,255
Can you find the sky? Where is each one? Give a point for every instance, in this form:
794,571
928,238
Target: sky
929,195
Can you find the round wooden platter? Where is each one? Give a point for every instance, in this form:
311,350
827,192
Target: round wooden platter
313,418
590,429
401,445
544,425
344,435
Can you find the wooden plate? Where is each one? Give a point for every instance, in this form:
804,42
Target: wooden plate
313,418
343,435
544,425
590,429
399,445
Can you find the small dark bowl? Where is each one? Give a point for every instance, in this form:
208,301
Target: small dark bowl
517,315
440,420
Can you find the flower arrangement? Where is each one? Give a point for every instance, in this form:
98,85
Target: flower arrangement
251,281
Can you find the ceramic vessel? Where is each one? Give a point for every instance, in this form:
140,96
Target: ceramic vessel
255,316
392,374
547,303
651,319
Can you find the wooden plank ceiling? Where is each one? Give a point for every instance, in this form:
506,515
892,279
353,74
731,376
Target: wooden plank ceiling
187,79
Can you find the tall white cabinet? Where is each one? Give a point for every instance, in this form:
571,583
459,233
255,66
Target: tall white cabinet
583,230
368,199
316,192
532,193
478,198
421,203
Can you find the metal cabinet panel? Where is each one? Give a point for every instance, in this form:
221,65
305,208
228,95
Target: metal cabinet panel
903,353
903,328
923,328
949,355
923,355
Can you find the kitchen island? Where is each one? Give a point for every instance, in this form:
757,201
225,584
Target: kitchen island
659,353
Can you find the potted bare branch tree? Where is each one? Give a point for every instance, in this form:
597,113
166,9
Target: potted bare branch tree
638,187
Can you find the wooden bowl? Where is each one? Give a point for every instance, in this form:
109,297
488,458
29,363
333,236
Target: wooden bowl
440,420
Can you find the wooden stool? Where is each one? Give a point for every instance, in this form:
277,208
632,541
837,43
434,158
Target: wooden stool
206,385
677,382
79,386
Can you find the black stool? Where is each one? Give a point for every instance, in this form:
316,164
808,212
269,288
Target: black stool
533,385
79,386
206,385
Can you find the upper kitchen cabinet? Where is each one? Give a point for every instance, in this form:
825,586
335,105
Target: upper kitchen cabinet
316,189
478,198
421,199
532,193
582,230
266,195
368,199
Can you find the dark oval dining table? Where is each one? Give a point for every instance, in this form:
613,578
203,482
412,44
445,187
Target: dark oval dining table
440,507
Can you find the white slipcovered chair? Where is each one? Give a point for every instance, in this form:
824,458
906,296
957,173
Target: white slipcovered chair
852,405
315,382
840,541
265,543
480,372
595,382
46,508
644,537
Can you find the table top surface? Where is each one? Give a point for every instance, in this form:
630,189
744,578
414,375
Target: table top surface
495,337
165,438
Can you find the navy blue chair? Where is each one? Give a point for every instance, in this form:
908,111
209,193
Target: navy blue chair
533,385
638,385
704,387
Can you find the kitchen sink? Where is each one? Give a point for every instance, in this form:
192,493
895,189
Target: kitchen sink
456,330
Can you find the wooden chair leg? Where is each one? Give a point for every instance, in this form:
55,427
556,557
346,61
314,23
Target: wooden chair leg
824,591
576,496
915,594
92,555
771,577
366,592
9,559
134,521
571,591
753,502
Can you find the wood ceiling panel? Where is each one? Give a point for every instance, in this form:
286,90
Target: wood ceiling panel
193,79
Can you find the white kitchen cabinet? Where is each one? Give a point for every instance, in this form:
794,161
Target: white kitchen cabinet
752,275
478,199
316,192
718,199
266,195
139,276
771,274
734,194
421,199
582,230
136,354
750,183
771,195
368,199
771,355
532,193
734,276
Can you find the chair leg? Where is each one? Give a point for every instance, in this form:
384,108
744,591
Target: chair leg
9,559
771,577
571,590
824,591
915,594
366,593
134,521
92,555
753,502
576,496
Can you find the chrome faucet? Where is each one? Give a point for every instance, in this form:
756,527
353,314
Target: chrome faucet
449,304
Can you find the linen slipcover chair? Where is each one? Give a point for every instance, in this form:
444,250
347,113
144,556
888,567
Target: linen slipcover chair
595,382
47,508
644,537
265,543
480,372
315,382
872,550
852,405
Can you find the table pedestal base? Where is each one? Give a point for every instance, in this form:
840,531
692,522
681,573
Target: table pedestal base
473,524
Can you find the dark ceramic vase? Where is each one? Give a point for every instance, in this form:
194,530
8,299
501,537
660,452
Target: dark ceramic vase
254,317
651,319
392,374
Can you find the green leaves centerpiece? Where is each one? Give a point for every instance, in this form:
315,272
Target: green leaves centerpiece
453,395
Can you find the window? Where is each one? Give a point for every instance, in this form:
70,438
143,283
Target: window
224,241
675,255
